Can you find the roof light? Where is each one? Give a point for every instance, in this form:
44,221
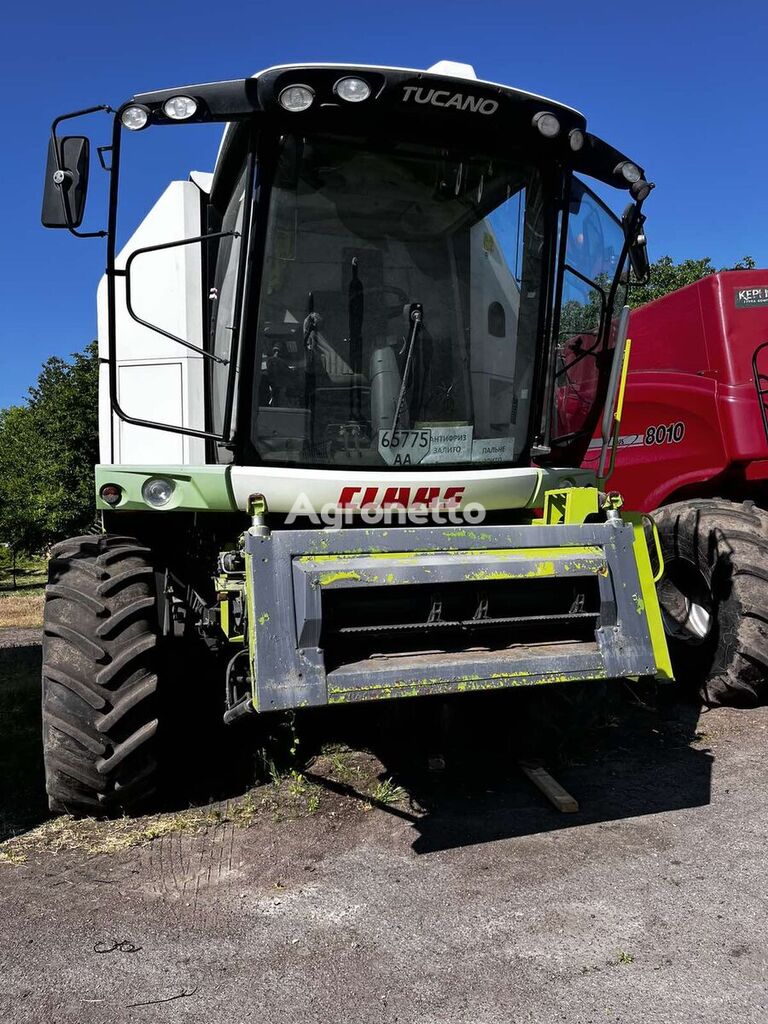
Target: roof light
111,494
641,189
576,139
630,172
157,491
180,108
296,98
353,90
547,123
135,118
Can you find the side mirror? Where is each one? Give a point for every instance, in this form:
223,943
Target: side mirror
638,257
66,182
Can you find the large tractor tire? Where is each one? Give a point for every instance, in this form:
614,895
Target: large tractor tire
714,598
99,676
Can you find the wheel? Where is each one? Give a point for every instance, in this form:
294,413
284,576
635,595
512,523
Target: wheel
99,679
714,598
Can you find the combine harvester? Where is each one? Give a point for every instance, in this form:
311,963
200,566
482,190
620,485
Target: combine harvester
323,365
693,450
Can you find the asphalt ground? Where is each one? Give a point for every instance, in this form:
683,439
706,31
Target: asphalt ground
363,886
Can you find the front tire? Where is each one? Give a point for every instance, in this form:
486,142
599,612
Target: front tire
714,598
99,676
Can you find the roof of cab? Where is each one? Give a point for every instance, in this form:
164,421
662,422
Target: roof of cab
443,68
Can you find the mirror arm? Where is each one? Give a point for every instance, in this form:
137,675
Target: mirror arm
61,174
632,222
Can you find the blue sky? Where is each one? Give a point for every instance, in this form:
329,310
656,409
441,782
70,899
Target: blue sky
679,85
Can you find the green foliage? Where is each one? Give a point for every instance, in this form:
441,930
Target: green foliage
667,276
386,792
582,315
48,448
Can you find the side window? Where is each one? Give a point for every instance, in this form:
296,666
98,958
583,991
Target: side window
223,298
497,320
593,250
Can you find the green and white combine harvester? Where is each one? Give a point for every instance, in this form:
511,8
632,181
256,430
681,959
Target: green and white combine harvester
340,446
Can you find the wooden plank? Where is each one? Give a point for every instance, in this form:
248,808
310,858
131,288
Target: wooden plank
550,787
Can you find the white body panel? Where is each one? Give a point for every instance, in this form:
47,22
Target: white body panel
493,488
157,378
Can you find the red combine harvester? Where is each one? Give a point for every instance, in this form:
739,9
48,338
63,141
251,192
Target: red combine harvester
693,450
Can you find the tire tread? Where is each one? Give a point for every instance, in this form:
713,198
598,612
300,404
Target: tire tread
99,680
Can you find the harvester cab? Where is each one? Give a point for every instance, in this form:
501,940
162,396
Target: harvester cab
332,411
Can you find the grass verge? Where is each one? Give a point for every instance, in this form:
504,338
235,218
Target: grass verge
22,609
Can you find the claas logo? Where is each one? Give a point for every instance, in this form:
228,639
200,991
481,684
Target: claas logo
400,497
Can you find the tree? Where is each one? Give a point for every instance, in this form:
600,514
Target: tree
667,276
48,447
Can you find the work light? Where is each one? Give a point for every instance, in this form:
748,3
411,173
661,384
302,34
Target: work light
179,108
629,171
135,118
157,491
640,190
296,98
576,139
547,123
353,90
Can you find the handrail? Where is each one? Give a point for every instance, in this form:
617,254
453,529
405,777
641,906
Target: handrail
762,391
153,327
614,398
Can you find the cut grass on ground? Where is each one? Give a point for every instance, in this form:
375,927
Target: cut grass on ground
286,797
22,609
292,797
91,836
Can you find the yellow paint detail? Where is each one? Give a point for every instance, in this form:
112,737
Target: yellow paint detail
328,578
587,550
569,506
623,382
465,684
650,599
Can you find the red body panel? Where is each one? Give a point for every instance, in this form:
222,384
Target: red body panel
692,421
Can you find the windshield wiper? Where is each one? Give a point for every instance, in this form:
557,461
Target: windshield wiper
415,317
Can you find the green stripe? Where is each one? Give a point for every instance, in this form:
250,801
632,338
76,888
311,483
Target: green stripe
196,488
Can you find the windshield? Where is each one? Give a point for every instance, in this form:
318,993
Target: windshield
399,306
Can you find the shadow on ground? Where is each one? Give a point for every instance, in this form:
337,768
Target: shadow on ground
23,802
639,756
450,766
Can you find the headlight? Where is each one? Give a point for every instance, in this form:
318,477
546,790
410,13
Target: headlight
629,171
353,90
157,491
179,108
576,139
296,98
135,118
111,494
547,123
